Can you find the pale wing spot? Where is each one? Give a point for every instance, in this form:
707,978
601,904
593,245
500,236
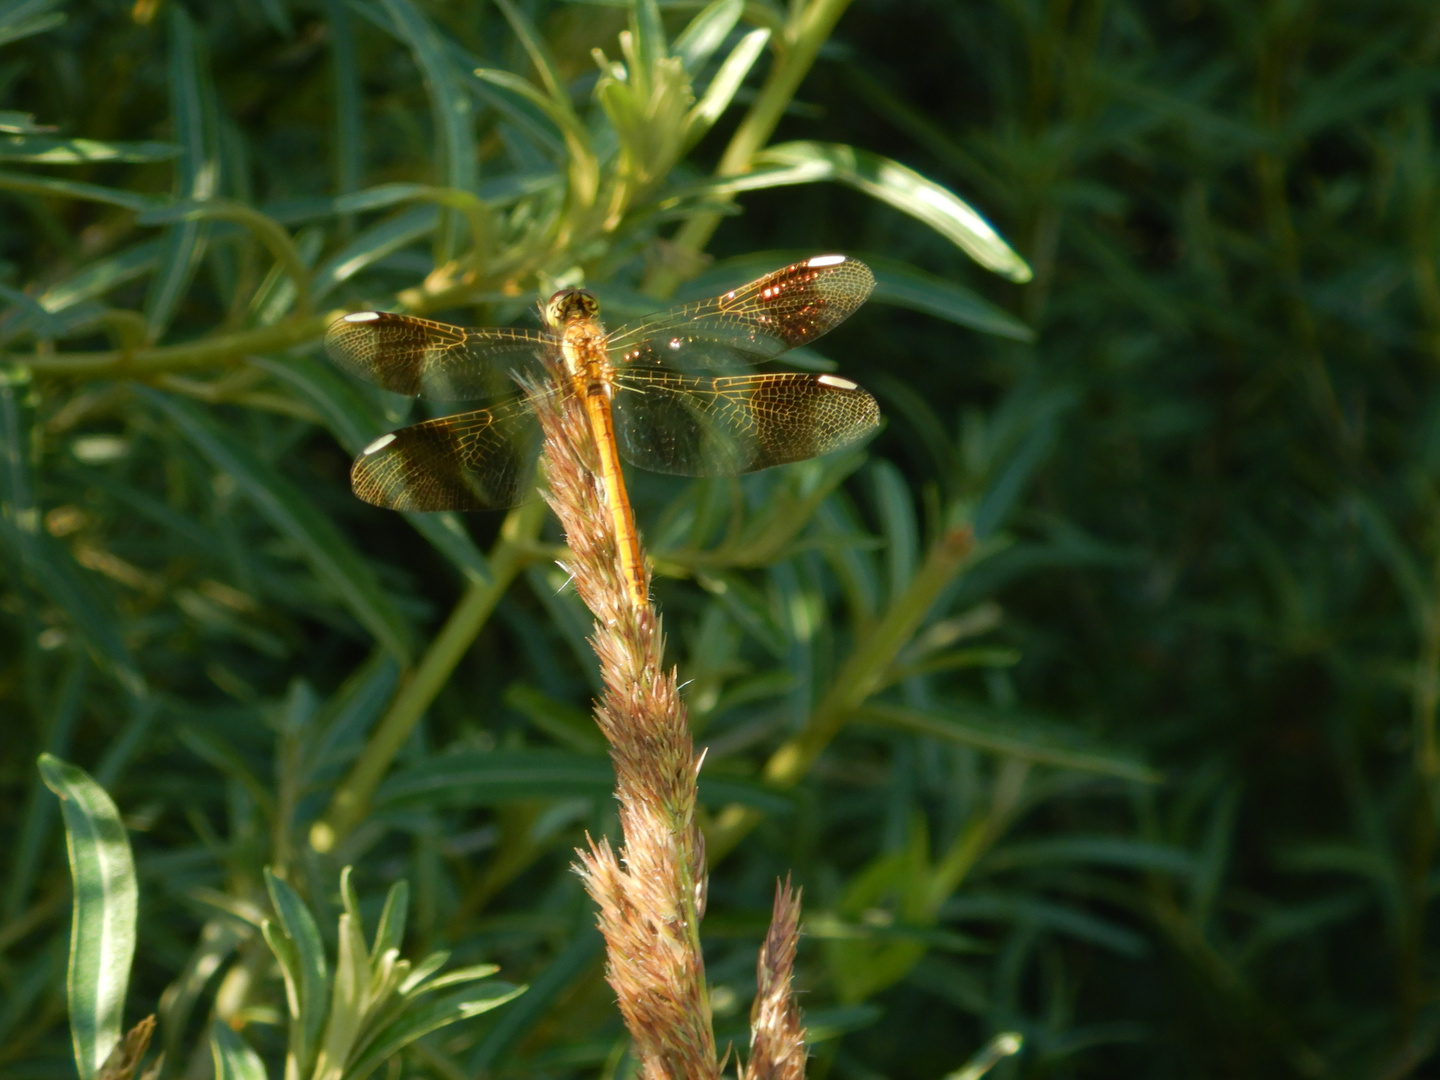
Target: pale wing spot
837,382
362,316
379,444
825,260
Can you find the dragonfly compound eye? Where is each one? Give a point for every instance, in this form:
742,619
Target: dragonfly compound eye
569,304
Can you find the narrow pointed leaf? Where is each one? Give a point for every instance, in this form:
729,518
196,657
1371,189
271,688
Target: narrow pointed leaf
706,32
102,935
307,967
234,1060
428,1017
327,550
44,150
908,191
451,108
727,81
197,172
47,564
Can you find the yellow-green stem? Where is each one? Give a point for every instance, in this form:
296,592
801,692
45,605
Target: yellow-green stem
802,39
222,349
352,798
860,675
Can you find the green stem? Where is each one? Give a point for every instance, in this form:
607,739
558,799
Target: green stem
264,228
227,348
801,41
352,798
862,673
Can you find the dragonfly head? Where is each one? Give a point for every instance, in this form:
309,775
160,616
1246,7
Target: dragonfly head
570,304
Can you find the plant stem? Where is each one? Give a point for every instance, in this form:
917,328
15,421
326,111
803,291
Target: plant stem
351,800
221,349
806,31
861,673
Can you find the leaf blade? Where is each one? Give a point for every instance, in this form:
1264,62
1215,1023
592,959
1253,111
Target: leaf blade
102,942
327,550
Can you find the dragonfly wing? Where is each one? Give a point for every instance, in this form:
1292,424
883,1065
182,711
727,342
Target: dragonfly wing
698,425
757,322
432,359
481,460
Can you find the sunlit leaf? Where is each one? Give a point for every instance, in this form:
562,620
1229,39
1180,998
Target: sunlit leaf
103,928
906,190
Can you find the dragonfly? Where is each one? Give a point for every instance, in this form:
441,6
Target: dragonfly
650,390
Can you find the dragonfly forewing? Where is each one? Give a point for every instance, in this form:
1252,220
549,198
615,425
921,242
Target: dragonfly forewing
697,425
752,324
434,360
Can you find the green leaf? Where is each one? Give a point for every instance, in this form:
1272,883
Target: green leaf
748,607
1013,736
906,190
1067,919
726,83
706,32
349,99
451,109
100,276
21,123
45,150
102,934
74,189
372,245
22,18
897,524
265,229
45,561
197,174
1027,424
479,778
431,1016
584,167
564,723
905,286
574,961
234,1060
302,960
327,550
391,931
349,998
31,839
1119,851
648,36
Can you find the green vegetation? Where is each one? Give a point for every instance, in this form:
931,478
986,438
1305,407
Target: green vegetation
1094,700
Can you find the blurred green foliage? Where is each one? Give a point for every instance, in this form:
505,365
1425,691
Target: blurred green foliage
1142,766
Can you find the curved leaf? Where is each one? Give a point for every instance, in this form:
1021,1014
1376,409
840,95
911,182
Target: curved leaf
706,32
450,106
197,173
906,190
295,940
234,1060
489,778
418,1021
102,935
44,150
327,550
